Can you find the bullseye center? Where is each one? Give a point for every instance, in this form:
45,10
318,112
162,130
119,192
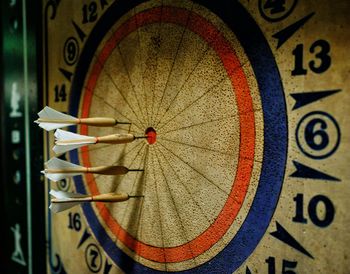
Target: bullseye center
151,135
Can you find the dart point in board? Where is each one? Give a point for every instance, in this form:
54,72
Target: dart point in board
50,119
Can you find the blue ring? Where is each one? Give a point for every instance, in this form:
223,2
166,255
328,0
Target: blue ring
275,137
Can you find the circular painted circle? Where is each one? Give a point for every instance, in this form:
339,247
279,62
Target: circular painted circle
272,100
64,184
318,135
71,51
93,258
274,11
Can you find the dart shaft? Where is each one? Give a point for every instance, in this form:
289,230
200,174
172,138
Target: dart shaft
111,197
104,170
95,121
108,170
107,198
91,140
116,139
98,121
66,170
108,139
57,121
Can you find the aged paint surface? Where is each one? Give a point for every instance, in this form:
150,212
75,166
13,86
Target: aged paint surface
248,173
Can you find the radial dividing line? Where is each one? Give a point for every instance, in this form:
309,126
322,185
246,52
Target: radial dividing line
119,90
144,70
131,163
197,171
122,157
132,86
127,206
143,156
161,125
129,151
183,84
173,63
185,186
94,179
129,130
184,231
143,84
140,213
210,89
95,176
195,146
143,159
160,215
159,32
94,149
199,124
145,186
212,150
248,159
141,68
208,122
139,126
127,71
109,104
98,175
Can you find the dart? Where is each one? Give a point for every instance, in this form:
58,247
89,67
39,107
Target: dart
66,141
50,119
58,169
65,200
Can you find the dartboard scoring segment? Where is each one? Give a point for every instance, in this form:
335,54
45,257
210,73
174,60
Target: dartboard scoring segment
194,83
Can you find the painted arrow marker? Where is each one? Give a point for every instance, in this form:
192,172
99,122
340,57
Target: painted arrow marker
304,171
305,98
283,35
284,236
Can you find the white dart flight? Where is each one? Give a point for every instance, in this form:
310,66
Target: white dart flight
50,119
65,200
66,141
58,169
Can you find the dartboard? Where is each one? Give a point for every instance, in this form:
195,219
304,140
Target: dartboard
233,107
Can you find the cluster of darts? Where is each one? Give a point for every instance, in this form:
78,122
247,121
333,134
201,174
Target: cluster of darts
57,169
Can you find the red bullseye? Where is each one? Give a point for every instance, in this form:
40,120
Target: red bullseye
151,135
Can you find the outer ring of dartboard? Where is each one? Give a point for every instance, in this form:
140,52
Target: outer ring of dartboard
275,136
281,17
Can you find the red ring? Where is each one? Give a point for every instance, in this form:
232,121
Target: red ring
217,41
